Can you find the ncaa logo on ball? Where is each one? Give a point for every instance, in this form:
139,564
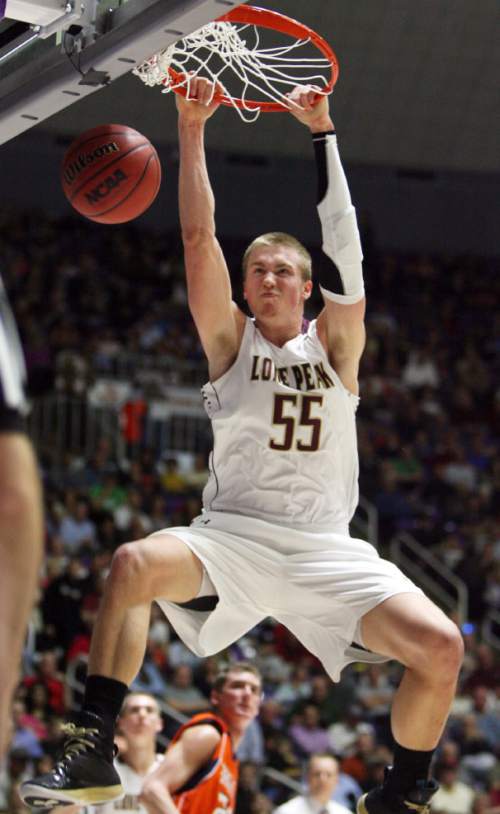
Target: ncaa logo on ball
104,188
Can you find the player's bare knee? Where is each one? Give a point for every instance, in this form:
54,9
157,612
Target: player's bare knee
128,569
134,575
453,650
442,653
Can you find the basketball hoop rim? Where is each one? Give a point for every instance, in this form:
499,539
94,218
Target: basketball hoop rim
265,18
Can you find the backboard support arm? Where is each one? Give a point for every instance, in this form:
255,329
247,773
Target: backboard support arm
124,37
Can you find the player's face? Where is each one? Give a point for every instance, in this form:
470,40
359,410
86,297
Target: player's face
239,698
140,717
273,281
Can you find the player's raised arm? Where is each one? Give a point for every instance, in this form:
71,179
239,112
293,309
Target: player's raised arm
217,318
182,761
341,278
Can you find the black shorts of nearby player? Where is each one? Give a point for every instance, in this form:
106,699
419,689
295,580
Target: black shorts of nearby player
11,420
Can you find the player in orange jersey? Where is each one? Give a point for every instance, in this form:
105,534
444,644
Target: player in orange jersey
199,773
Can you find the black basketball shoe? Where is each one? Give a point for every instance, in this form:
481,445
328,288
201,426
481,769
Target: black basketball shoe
383,800
84,773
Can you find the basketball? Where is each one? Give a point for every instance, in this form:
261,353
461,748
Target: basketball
111,174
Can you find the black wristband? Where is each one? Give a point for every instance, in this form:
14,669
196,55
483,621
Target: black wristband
323,134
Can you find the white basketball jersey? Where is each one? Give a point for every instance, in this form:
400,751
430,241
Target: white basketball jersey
132,785
285,445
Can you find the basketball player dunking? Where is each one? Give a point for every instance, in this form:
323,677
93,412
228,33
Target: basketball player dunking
21,527
273,538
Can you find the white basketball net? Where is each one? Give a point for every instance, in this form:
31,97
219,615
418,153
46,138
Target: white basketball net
217,48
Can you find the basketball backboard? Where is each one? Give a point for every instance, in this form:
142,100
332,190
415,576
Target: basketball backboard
71,51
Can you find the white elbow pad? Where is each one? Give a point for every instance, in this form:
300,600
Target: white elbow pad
341,241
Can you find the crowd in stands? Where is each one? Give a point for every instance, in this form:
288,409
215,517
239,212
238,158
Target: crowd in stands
84,299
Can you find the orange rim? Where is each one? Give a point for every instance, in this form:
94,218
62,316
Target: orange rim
265,18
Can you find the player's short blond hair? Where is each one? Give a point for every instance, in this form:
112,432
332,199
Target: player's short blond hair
231,668
281,239
132,694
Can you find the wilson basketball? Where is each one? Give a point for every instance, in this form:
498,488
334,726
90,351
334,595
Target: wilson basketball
111,174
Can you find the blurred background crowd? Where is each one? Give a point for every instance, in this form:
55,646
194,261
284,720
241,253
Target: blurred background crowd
429,466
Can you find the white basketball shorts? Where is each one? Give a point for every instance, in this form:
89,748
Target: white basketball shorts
318,584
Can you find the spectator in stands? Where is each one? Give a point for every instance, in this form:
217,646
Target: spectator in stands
179,654
92,470
308,734
420,370
453,796
294,689
158,515
375,694
321,779
488,722
71,373
107,495
393,505
478,754
459,472
449,753
356,763
62,600
282,756
172,479
80,644
24,738
344,732
182,694
132,507
271,719
260,804
451,549
132,417
47,674
348,790
330,699
52,742
150,678
76,528
290,649
109,537
251,748
483,805
159,630
196,477
486,672
273,668
18,768
492,589
248,785
36,710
